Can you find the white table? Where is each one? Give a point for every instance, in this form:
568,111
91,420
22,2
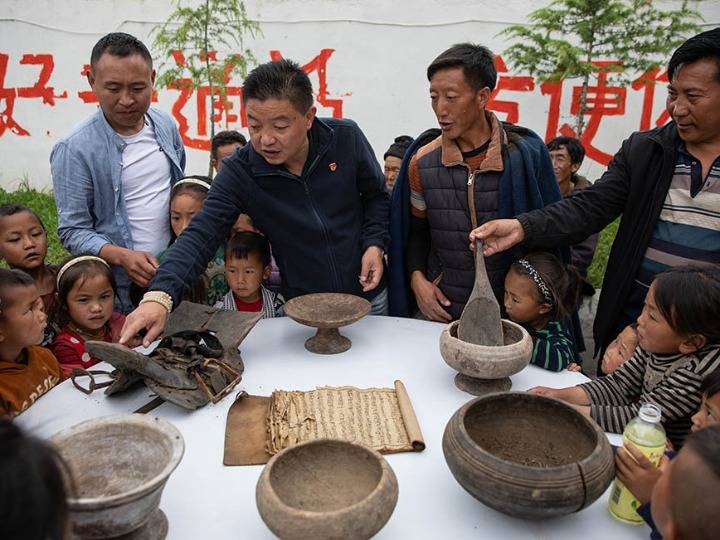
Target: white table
206,500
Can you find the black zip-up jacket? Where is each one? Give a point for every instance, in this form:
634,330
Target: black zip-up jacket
319,224
635,186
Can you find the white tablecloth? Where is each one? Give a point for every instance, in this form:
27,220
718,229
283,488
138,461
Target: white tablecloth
205,500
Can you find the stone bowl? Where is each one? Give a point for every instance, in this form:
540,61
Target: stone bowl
528,456
327,312
118,465
326,489
481,368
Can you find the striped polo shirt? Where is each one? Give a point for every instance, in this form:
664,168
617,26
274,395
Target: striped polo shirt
688,229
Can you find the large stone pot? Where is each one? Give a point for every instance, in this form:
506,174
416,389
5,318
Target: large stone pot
119,466
528,456
483,369
326,488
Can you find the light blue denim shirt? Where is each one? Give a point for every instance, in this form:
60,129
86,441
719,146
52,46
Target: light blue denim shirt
85,169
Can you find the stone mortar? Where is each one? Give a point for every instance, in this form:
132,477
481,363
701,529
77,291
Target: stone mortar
528,456
485,362
326,489
119,466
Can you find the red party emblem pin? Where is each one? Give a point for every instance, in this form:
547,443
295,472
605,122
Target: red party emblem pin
333,166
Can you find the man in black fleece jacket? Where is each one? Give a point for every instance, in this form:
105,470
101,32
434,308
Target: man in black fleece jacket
664,182
315,189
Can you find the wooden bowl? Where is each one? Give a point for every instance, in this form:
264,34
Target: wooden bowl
527,455
482,368
326,489
119,465
327,312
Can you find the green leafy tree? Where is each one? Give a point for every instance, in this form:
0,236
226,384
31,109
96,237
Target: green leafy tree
198,33
562,40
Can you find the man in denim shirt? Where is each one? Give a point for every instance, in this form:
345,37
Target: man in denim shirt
113,173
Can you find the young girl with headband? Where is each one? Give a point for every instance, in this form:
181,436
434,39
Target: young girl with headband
86,291
541,293
186,199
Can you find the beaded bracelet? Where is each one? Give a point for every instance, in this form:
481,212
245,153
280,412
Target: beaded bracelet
158,297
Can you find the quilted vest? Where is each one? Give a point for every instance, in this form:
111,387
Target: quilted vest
448,192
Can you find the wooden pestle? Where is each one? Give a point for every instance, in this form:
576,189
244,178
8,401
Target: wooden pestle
480,322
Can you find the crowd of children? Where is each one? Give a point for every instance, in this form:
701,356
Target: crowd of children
62,307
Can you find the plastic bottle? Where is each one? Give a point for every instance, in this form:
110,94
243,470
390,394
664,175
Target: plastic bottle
646,432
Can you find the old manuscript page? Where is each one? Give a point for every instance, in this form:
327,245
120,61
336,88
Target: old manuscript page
381,418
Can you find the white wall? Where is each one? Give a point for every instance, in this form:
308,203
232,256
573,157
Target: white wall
380,50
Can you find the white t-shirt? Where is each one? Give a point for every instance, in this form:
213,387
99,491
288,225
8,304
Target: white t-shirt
145,178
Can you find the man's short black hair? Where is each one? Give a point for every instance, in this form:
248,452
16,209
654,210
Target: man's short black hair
119,44
226,137
477,62
245,243
280,79
573,146
698,47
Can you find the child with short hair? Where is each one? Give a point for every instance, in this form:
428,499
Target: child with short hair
620,350
26,370
86,293
186,199
23,246
224,144
541,293
245,223
709,412
685,502
678,345
33,498
247,263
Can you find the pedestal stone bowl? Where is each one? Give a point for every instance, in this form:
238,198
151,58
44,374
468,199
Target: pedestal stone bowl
119,465
326,489
483,369
327,312
528,456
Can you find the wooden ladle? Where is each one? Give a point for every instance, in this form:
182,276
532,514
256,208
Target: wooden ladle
480,320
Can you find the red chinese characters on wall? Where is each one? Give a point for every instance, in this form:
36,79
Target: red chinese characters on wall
602,100
39,90
193,108
231,111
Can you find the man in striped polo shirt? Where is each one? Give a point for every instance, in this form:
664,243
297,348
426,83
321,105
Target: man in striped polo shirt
665,183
